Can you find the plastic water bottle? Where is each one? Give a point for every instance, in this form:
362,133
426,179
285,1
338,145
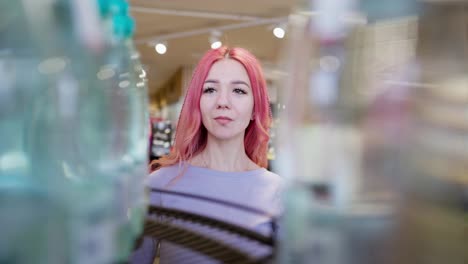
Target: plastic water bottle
66,130
139,139
70,125
126,164
58,167
337,208
133,166
32,221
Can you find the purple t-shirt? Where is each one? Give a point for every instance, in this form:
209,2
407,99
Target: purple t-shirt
259,188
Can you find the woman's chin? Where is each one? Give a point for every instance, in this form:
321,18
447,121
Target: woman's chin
225,135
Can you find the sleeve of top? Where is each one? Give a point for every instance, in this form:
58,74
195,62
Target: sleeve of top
146,253
276,208
278,199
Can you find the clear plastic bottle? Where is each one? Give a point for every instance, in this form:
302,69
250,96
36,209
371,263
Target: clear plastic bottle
69,127
125,93
32,223
129,159
433,221
336,209
139,138
72,140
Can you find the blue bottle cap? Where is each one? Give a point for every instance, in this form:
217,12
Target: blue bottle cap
124,26
118,7
104,7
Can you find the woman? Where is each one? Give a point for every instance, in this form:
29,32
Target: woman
220,146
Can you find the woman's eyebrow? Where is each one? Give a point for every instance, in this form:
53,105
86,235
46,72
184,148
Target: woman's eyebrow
240,82
233,82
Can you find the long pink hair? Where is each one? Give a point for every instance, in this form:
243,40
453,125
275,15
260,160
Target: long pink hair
191,135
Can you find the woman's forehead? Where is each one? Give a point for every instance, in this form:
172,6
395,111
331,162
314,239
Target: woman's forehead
226,69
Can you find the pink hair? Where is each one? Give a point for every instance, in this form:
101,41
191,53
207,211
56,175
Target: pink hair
191,135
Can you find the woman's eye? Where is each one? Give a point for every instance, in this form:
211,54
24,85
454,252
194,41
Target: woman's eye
239,91
208,90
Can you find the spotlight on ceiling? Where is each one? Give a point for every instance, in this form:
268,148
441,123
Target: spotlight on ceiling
160,48
215,41
279,32
216,44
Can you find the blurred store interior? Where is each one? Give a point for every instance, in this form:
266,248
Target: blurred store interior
187,29
370,123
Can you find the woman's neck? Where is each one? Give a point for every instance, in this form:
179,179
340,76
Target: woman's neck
224,155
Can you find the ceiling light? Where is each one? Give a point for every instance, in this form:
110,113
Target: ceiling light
160,48
279,32
215,41
216,44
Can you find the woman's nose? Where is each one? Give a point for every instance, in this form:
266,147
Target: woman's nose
223,101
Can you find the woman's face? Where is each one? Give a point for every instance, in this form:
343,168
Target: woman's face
227,101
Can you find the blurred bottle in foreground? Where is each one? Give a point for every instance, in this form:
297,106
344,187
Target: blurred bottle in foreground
432,225
126,159
31,220
341,203
61,164
70,125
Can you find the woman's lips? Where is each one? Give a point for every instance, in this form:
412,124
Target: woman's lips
223,120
